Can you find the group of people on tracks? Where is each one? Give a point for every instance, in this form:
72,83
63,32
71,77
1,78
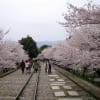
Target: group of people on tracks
26,66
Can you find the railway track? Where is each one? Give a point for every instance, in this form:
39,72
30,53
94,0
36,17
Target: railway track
17,86
43,86
6,73
86,90
29,90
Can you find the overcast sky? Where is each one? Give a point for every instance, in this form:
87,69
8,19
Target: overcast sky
37,18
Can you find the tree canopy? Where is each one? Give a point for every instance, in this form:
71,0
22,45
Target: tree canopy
10,53
82,49
29,45
43,47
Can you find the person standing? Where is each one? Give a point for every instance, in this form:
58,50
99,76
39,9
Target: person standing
22,65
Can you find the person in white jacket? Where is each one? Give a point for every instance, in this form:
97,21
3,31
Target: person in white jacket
27,64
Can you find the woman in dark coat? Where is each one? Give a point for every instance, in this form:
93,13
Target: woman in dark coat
49,67
22,65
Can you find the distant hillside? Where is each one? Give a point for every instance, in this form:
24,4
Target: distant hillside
40,43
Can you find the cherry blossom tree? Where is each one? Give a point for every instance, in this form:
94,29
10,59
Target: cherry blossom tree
10,53
84,24
81,52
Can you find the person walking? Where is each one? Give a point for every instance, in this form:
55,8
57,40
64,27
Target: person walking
35,66
27,64
49,67
46,66
22,65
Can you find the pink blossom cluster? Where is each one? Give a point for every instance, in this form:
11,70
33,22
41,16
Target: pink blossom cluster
10,53
82,48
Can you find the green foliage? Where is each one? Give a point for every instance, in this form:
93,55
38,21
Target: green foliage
29,45
43,47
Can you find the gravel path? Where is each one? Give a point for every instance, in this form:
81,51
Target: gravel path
44,90
52,86
55,86
11,85
30,88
